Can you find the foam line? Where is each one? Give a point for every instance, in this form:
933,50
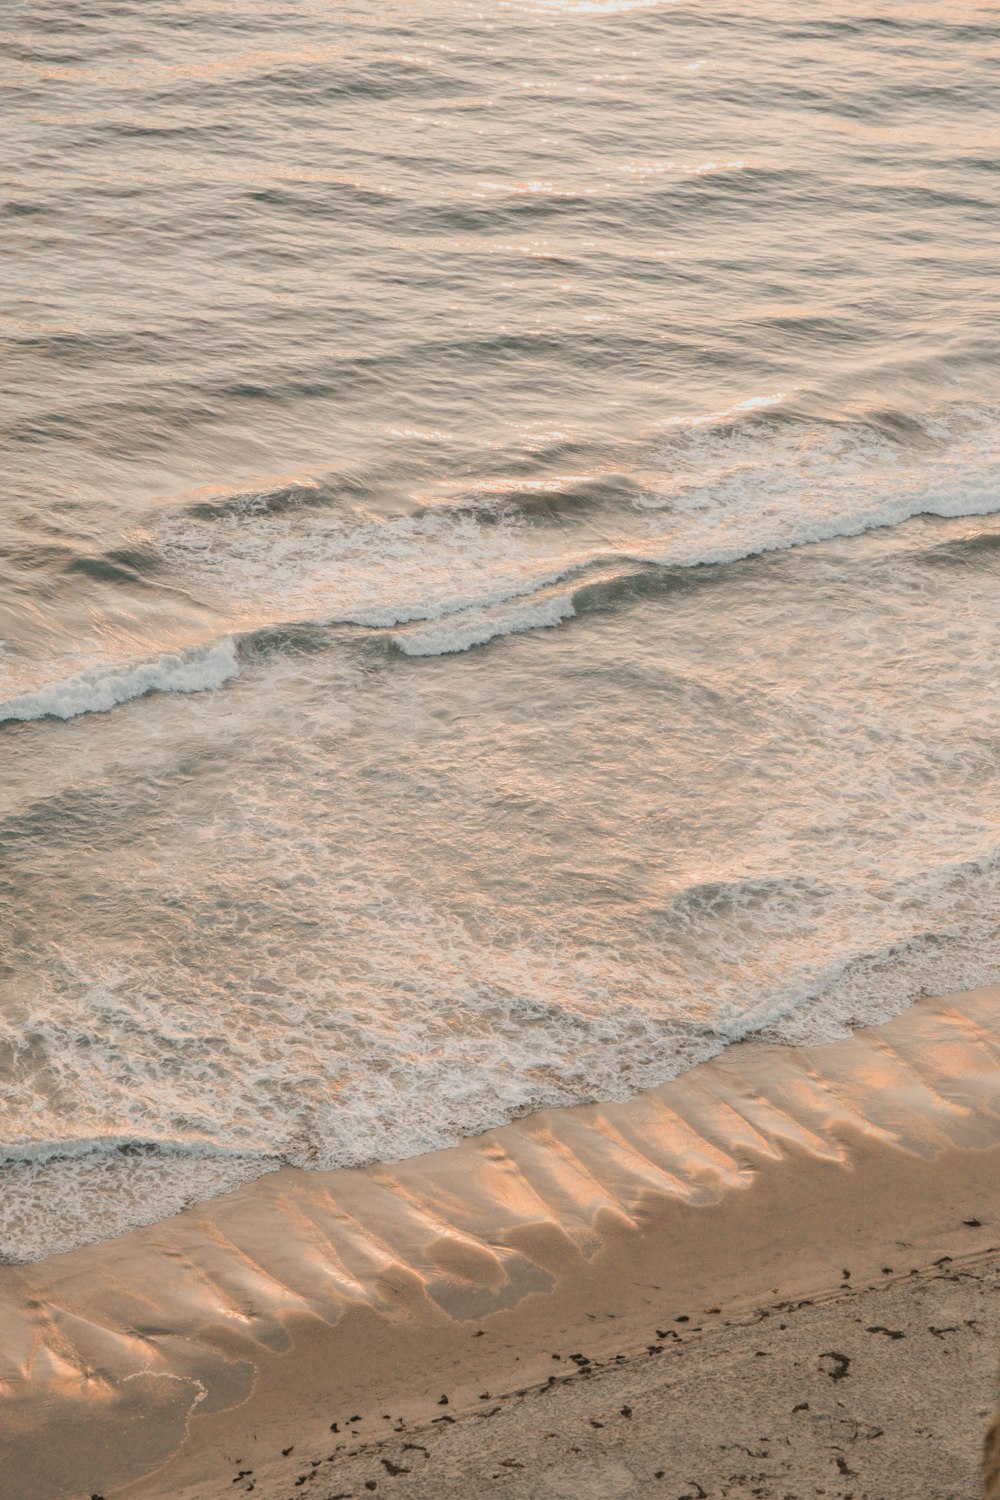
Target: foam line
476,627
101,688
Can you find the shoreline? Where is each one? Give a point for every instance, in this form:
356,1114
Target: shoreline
309,1310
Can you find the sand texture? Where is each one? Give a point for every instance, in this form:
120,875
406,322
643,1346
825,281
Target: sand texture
877,1394
595,1258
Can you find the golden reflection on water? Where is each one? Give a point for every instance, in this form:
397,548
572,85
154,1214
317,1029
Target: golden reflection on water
582,7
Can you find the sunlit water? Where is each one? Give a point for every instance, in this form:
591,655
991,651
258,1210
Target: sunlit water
499,564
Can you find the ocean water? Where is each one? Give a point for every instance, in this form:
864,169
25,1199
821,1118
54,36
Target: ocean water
499,564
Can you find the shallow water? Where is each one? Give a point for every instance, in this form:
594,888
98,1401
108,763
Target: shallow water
498,576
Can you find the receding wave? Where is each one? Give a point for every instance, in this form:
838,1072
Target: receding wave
964,551
85,1148
715,897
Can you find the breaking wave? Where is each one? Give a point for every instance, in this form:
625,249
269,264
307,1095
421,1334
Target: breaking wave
102,687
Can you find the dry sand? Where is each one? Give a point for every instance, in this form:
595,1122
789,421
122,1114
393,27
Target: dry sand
732,1285
868,1394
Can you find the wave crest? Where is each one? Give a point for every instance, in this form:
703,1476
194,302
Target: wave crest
100,688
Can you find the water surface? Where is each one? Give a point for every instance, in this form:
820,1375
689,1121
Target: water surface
498,565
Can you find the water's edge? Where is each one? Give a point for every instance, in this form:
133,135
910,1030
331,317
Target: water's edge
140,1333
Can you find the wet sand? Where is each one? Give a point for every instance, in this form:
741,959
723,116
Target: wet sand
707,1255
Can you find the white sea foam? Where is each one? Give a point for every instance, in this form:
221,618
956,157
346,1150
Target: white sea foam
101,687
474,627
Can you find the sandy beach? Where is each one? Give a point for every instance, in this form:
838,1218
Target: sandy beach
853,1394
772,1276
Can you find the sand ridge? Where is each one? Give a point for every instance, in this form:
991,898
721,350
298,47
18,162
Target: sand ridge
275,1314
